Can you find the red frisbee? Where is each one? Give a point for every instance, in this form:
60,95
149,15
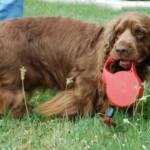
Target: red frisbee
122,87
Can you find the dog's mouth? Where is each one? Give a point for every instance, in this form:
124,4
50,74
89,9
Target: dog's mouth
121,64
126,64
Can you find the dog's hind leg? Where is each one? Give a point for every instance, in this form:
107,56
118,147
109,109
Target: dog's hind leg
12,102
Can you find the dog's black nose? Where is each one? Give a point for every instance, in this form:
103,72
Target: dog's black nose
121,49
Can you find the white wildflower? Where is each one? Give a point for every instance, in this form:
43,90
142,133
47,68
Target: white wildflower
144,147
87,147
1,122
115,136
126,121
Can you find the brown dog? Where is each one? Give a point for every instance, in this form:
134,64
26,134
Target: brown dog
67,54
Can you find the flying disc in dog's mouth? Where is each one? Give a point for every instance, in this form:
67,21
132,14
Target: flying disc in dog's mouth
122,86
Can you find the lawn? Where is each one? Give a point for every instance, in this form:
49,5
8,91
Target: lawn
37,133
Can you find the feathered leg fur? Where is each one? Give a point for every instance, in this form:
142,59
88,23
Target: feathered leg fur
78,100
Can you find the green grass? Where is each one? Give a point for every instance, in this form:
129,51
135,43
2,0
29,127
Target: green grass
39,133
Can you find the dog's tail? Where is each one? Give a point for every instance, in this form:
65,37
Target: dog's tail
62,104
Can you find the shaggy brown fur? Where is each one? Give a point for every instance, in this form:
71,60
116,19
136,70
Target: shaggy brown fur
56,49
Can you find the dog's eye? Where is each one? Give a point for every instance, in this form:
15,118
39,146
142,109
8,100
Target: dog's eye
118,33
139,33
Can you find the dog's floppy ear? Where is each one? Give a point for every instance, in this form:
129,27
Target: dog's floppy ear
108,40
110,36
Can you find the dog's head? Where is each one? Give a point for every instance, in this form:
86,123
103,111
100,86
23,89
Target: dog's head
128,39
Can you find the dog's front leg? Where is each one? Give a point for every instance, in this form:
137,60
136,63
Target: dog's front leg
71,102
